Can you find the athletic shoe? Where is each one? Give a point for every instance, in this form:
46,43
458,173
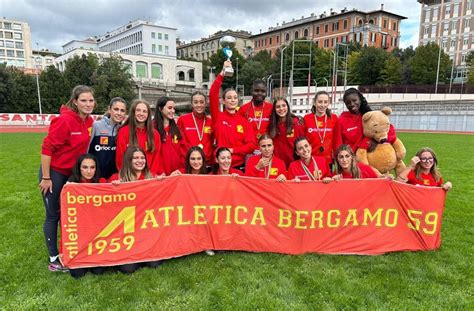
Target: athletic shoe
210,252
56,266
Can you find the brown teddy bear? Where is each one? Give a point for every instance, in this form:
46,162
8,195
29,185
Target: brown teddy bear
375,150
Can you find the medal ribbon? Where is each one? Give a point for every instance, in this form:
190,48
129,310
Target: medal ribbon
308,173
261,115
200,135
267,169
321,139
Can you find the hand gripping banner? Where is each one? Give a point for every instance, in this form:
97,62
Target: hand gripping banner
105,224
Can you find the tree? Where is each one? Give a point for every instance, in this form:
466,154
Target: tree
54,90
80,70
424,65
21,90
470,63
405,56
110,80
250,71
392,71
352,61
6,86
366,68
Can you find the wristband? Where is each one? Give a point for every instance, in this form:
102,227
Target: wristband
44,178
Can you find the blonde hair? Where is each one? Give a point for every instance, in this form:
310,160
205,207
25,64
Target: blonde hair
354,169
433,170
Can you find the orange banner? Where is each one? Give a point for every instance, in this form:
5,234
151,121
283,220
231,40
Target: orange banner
104,224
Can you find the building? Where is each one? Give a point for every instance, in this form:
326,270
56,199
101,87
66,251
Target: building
149,52
204,48
377,28
450,25
15,43
137,37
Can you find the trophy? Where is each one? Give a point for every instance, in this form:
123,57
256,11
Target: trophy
225,42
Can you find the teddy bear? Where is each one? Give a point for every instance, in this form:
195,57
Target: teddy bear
376,150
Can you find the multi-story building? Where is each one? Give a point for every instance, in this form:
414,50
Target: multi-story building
450,25
15,43
149,52
377,28
138,37
204,48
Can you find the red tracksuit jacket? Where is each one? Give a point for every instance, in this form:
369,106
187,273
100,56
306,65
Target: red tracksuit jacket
230,130
327,132
68,137
191,137
170,154
277,167
253,116
284,143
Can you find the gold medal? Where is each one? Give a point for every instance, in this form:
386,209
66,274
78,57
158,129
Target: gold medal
201,146
259,135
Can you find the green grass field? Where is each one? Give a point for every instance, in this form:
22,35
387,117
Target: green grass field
440,279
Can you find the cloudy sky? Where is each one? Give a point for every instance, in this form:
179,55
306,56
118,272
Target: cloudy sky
55,22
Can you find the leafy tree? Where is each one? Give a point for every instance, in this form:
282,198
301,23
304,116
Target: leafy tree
111,79
405,56
352,61
470,63
425,62
6,87
22,92
80,70
366,69
392,71
250,71
54,90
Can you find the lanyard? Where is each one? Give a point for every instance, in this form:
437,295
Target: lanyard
308,173
321,138
200,135
267,169
261,115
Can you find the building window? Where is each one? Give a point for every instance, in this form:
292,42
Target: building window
270,40
372,37
153,48
16,26
20,54
447,12
2,52
10,53
394,26
156,71
317,30
453,43
326,43
167,50
18,45
160,36
191,75
326,28
465,41
446,26
384,23
287,37
345,24
9,44
160,48
18,36
166,36
181,75
435,13
278,38
467,23
8,35
433,31
335,26
152,35
265,41
141,70
296,34
305,33
7,25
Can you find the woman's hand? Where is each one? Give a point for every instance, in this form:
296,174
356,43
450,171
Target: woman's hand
162,176
414,161
281,178
326,180
46,185
337,177
115,182
175,173
447,185
263,162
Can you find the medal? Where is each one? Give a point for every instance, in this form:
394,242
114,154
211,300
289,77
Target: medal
259,135
259,124
321,149
321,137
201,133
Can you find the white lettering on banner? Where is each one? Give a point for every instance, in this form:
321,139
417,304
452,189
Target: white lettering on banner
26,119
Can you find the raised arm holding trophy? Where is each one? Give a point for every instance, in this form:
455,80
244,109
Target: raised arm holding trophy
226,42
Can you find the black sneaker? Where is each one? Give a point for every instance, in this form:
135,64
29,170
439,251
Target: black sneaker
56,266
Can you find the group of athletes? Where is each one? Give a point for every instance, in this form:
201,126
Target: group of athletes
259,139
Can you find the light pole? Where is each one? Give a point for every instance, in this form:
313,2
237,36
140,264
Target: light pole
327,83
281,69
37,77
237,73
437,70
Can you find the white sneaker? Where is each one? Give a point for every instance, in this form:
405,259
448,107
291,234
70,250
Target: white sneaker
210,252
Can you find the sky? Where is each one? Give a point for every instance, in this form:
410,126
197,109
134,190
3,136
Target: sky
54,23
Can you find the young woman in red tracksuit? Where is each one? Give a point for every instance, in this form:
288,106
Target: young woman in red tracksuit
171,138
138,131
257,111
231,130
68,137
423,170
266,165
321,128
346,166
308,167
196,127
134,168
86,170
223,164
284,129
350,122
